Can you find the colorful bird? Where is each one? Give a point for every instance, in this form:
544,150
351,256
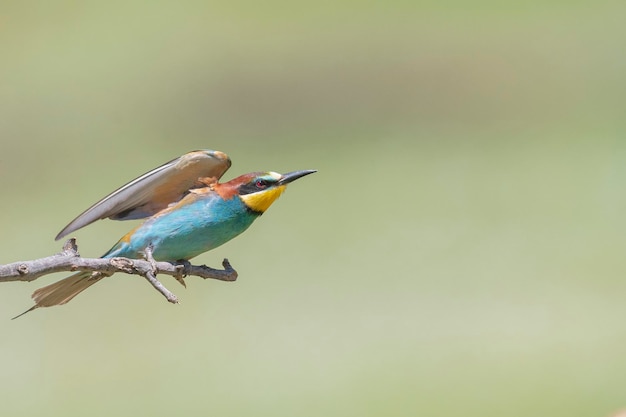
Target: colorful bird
188,212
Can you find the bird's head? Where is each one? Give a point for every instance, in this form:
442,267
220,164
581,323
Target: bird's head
258,190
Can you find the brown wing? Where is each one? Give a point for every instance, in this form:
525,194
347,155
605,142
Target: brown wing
155,190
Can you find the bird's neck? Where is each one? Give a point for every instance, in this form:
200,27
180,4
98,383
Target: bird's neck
225,190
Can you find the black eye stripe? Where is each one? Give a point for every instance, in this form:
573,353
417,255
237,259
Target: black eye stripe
256,185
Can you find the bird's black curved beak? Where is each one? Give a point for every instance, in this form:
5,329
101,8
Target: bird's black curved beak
292,176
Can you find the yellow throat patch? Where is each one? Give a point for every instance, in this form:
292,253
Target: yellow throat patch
262,200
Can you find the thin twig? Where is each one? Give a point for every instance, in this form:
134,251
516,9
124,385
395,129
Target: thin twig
152,279
69,260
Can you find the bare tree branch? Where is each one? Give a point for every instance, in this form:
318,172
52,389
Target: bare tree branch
69,260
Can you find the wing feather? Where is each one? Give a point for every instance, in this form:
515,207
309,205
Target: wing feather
155,190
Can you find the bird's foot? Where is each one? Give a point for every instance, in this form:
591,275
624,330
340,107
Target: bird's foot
147,253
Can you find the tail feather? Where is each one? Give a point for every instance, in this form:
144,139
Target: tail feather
63,291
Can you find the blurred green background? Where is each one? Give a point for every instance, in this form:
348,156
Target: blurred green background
460,251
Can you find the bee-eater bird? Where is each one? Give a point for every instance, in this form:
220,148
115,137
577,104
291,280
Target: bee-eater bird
188,212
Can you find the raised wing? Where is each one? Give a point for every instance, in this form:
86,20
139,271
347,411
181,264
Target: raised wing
155,190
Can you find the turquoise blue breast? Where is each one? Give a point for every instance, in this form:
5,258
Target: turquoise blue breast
188,231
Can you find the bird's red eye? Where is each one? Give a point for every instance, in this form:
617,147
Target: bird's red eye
260,184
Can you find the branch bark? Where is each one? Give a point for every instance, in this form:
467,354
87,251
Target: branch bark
69,260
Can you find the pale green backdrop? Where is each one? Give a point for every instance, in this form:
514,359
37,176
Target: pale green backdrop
459,253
